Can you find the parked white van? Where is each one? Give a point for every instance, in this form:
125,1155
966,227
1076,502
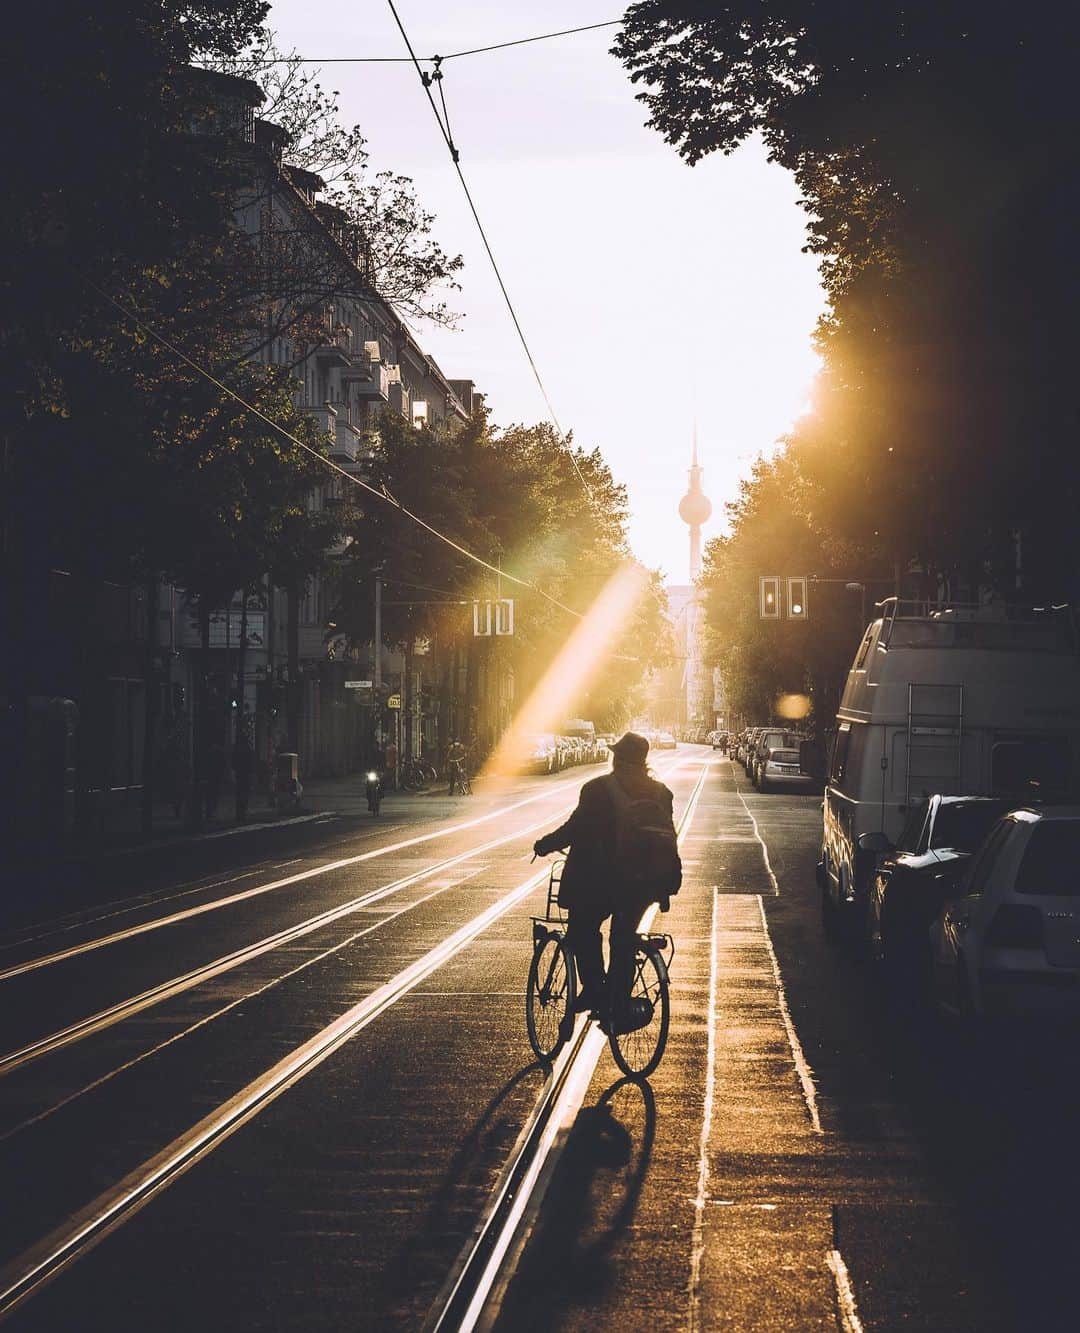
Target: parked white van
959,699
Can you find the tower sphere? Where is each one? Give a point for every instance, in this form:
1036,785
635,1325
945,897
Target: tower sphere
695,507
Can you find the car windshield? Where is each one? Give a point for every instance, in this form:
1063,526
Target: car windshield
964,824
784,756
1051,864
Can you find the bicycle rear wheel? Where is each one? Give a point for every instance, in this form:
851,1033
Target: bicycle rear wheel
549,996
638,1053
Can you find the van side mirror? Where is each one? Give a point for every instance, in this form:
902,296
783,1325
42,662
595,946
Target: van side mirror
874,843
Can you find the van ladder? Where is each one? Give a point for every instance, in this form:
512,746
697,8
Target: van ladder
935,736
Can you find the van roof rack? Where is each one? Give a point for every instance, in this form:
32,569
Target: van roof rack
983,617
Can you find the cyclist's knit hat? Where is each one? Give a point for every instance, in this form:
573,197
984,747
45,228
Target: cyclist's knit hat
631,749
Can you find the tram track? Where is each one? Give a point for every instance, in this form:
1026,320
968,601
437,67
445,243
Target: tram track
86,1228
175,918
166,990
179,984
470,1298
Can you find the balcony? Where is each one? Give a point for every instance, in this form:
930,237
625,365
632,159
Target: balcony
347,441
400,399
324,417
334,347
369,377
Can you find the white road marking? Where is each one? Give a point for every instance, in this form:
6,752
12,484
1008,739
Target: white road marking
802,1066
764,849
846,1307
697,1252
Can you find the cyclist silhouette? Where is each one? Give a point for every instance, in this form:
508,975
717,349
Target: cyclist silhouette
623,856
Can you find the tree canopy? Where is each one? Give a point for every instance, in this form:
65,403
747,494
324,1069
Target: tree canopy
934,148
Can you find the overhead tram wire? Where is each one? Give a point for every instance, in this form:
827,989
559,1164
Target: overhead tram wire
454,55
380,494
427,80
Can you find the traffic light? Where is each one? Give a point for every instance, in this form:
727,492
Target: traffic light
796,599
769,589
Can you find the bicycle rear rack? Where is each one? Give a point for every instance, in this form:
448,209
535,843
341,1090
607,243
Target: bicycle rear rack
659,944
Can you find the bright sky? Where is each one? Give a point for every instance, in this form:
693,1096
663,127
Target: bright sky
650,292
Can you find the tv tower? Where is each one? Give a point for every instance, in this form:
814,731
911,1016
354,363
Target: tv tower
694,509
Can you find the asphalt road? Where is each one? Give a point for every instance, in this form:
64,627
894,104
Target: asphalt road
802,1158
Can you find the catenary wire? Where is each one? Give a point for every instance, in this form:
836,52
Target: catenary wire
380,494
454,55
445,131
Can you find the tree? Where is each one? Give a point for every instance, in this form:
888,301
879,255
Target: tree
386,230
762,660
934,149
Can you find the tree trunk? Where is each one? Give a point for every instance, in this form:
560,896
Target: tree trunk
407,698
292,695
150,704
241,769
197,807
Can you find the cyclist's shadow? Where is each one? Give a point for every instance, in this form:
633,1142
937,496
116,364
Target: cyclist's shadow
590,1203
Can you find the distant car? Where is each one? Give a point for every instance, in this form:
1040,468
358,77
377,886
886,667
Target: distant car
911,883
663,740
1008,946
535,754
782,769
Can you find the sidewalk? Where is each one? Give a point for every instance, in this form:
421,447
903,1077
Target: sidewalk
323,797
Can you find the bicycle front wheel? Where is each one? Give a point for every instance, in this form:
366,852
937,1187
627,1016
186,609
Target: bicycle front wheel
637,1053
549,997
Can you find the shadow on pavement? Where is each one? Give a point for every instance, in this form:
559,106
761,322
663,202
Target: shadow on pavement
592,1199
421,1263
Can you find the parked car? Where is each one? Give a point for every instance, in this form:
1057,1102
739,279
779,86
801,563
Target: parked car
770,738
1009,945
782,769
916,877
946,699
585,733
535,754
565,752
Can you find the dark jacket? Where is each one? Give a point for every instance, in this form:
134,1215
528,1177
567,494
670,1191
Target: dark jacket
589,877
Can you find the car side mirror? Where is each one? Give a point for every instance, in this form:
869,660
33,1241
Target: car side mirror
874,843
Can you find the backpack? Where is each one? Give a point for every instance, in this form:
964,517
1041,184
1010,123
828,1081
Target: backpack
646,850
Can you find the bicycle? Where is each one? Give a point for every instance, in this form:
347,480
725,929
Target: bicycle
414,776
459,780
552,989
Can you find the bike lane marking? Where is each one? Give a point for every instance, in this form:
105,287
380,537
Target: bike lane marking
758,1123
